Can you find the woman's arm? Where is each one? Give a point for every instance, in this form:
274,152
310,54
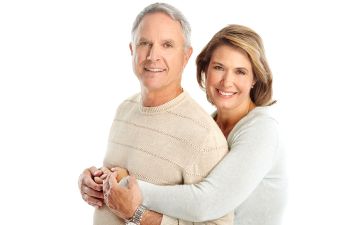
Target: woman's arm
252,153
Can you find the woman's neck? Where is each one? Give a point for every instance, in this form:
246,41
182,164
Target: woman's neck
227,119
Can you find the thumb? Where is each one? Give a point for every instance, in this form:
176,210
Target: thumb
132,183
94,171
112,181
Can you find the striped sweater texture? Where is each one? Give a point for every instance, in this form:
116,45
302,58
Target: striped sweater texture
174,143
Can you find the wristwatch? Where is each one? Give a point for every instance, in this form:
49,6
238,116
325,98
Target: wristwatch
136,218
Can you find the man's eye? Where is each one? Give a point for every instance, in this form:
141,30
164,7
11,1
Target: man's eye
167,45
143,43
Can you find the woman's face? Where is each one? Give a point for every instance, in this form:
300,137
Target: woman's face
229,78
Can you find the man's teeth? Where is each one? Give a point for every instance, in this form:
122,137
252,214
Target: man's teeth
154,69
226,93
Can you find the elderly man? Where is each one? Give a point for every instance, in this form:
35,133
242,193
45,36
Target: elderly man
160,135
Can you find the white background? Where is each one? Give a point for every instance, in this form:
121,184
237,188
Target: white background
65,66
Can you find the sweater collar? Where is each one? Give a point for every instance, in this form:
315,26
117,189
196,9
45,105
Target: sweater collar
164,107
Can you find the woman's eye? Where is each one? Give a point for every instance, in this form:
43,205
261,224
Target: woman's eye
218,68
241,72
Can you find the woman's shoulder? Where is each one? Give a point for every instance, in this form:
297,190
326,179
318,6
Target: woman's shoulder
260,123
260,118
261,115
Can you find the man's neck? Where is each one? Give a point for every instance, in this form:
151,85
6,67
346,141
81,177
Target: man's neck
157,98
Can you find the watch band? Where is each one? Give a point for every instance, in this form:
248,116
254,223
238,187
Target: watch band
136,218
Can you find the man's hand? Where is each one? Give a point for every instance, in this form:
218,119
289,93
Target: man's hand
91,187
122,201
101,174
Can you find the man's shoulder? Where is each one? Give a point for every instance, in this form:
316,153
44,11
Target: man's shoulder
195,118
135,98
127,104
193,111
131,100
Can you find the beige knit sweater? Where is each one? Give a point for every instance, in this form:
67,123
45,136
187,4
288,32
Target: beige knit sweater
175,143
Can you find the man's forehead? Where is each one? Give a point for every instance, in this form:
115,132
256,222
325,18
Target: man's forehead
141,38
159,22
155,34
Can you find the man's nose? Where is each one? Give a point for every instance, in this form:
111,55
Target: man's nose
154,53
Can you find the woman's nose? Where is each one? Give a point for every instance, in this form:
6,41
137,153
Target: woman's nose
228,79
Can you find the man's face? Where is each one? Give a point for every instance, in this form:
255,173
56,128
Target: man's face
159,54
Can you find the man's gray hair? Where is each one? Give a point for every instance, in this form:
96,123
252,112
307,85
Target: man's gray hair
169,10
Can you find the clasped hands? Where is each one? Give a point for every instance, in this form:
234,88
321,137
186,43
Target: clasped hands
101,186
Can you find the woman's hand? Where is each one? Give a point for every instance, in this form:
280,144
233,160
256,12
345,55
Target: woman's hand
121,173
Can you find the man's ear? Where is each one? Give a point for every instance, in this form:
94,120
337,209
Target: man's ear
130,47
188,53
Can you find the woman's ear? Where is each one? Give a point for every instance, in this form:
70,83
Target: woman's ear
254,81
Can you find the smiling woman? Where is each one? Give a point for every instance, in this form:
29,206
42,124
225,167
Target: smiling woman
229,80
65,66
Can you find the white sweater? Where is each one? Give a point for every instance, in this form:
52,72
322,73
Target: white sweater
250,179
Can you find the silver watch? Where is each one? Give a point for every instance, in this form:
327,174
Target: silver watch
136,218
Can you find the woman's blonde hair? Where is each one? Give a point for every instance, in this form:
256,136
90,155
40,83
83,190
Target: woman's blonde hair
250,42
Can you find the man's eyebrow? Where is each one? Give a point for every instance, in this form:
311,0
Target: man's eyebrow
143,39
169,40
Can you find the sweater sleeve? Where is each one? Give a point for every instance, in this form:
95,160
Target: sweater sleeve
252,153
167,220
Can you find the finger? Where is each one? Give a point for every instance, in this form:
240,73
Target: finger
105,170
89,182
106,184
113,169
120,170
93,201
95,172
132,184
83,176
92,169
91,192
95,206
98,180
103,176
112,181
